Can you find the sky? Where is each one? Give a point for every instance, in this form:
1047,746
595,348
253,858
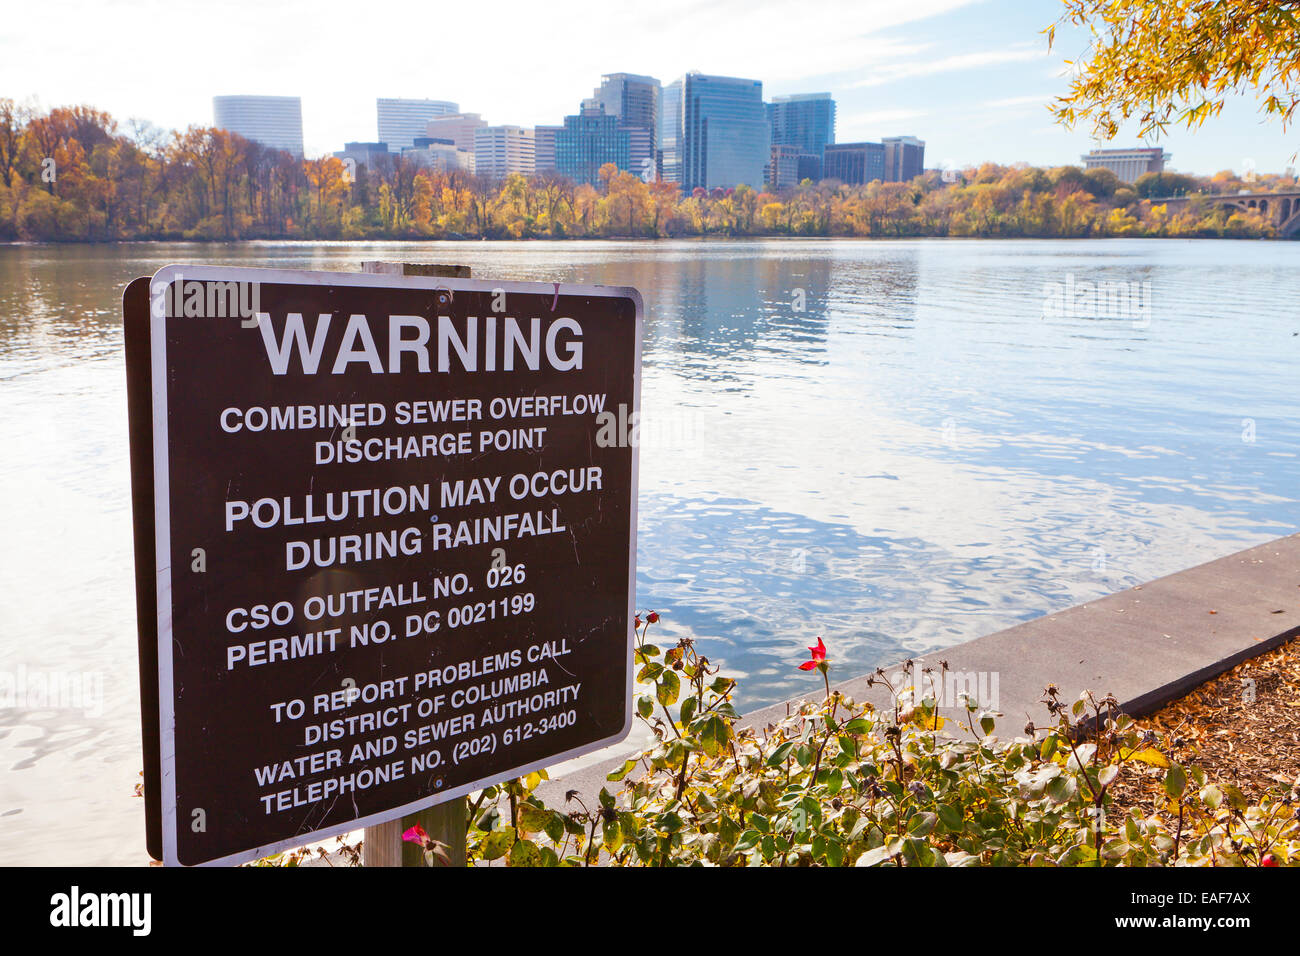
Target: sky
970,77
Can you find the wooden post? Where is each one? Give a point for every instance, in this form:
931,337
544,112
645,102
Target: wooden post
383,844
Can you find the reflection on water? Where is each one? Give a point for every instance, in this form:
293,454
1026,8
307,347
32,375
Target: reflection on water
887,444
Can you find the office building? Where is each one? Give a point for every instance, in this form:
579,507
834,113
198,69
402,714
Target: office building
783,169
502,150
401,121
634,100
854,163
588,141
904,158
669,147
723,139
805,121
457,127
373,156
1128,164
273,121
439,154
544,147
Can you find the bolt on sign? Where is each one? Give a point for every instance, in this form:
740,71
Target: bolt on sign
388,528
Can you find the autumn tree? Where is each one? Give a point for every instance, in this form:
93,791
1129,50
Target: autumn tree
1179,61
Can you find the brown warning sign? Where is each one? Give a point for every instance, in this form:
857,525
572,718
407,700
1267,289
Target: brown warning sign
394,532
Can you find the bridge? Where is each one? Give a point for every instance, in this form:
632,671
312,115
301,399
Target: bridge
1282,209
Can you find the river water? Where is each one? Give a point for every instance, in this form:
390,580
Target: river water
896,446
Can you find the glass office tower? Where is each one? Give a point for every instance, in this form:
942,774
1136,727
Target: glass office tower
803,120
723,139
589,141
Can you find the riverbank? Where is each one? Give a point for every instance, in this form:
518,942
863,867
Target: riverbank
1146,645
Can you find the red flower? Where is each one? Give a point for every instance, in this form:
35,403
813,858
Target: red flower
818,657
653,617
416,835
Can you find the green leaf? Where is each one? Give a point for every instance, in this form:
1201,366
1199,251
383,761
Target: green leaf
834,852
689,706
644,705
1236,799
950,816
617,775
713,733
555,827
780,754
650,672
1060,789
1175,781
613,835
858,726
498,843
525,853
987,724
921,823
834,782
877,856
669,688
534,818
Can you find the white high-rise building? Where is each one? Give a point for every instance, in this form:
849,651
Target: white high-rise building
273,121
502,150
401,121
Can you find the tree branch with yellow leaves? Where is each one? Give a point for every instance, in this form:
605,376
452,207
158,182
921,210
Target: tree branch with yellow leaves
1163,62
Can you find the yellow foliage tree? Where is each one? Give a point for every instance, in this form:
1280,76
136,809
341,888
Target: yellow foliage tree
1166,61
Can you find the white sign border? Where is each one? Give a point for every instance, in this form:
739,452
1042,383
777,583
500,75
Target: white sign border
158,285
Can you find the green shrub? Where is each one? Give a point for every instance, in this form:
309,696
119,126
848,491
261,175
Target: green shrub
841,783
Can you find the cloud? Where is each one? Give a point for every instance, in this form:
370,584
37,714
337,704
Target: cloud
882,117
960,61
1035,99
511,60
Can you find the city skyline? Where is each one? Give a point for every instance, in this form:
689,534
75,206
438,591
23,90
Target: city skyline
971,78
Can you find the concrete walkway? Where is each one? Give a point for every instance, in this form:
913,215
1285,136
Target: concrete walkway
1146,645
